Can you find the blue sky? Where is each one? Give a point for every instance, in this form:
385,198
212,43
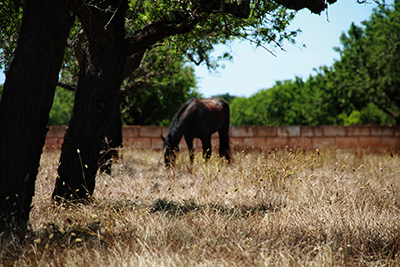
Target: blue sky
254,69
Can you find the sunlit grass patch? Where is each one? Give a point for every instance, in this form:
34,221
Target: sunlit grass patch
281,207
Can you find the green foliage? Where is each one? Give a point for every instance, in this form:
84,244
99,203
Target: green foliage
286,103
227,97
371,114
353,119
61,110
241,114
10,22
314,102
369,68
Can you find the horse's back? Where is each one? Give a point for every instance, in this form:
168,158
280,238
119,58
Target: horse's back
219,107
206,116
211,105
216,101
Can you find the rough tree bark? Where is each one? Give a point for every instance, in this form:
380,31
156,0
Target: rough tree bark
113,138
25,106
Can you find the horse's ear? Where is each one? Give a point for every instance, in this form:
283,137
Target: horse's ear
162,137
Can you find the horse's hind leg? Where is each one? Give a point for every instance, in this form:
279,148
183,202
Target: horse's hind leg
189,142
206,147
224,150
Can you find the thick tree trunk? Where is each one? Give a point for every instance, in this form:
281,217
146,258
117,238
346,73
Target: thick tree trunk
100,79
25,106
113,140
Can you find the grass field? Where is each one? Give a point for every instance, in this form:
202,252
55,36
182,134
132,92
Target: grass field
276,208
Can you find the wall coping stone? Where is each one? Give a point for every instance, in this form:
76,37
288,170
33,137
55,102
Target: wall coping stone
265,137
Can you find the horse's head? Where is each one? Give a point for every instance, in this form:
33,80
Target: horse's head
169,152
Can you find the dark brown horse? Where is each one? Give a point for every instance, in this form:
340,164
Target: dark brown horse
199,118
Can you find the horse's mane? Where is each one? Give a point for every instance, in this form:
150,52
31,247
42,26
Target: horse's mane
177,116
174,128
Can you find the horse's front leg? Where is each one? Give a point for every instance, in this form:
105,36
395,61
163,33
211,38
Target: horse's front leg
189,142
206,147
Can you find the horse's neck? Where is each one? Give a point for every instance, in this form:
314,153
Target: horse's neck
174,137
178,127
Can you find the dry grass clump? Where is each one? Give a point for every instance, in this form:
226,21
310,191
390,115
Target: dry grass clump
280,208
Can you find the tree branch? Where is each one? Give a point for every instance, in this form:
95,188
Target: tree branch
183,21
161,29
386,110
77,47
240,9
67,86
132,62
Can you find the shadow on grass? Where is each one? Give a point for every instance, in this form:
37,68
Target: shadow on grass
176,208
52,238
172,207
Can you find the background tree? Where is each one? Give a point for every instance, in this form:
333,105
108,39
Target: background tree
61,109
320,100
286,103
228,97
369,65
10,23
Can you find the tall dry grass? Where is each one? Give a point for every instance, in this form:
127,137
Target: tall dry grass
277,208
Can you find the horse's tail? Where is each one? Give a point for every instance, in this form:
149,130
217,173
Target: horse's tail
227,113
224,142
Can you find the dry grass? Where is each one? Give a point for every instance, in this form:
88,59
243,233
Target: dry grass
285,208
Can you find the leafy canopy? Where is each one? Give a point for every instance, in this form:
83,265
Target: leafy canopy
369,65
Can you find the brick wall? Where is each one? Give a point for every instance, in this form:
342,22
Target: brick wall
264,137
